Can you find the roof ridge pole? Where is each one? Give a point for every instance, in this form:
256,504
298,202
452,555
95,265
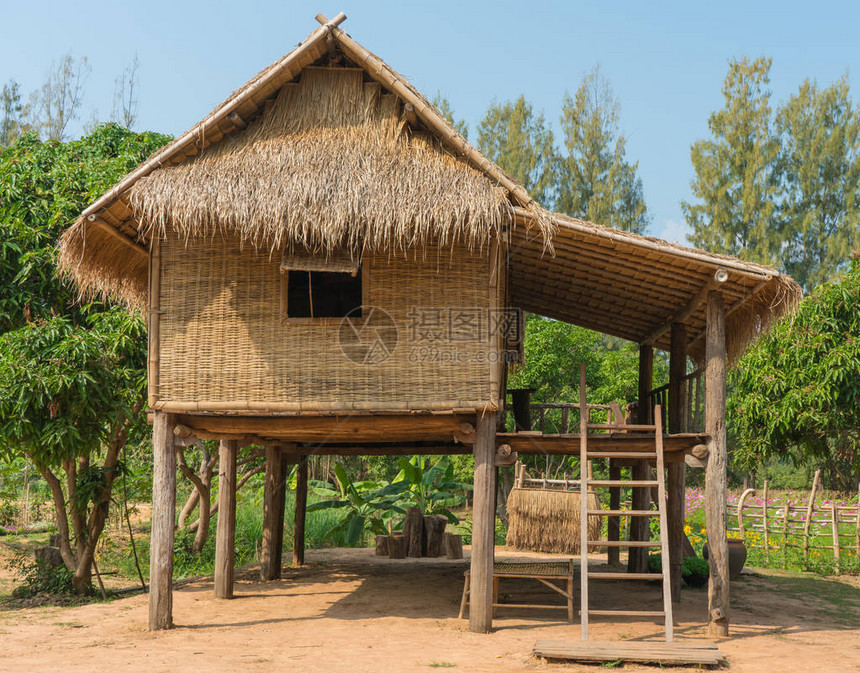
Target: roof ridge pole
334,23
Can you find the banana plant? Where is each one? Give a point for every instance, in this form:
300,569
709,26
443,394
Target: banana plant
431,488
368,504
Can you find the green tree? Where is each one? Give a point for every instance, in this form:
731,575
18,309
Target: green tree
553,352
596,182
13,112
72,375
819,166
796,392
521,143
736,179
69,397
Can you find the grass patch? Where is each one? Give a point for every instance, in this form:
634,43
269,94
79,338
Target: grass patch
116,555
830,599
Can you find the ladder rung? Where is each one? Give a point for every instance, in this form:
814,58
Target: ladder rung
622,543
625,576
623,512
620,482
621,428
627,613
622,454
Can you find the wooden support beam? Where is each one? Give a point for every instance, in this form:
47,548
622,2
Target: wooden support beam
715,472
646,382
333,428
225,534
301,512
637,558
736,306
411,117
676,483
720,276
483,526
280,504
674,446
613,523
163,523
270,568
236,120
115,234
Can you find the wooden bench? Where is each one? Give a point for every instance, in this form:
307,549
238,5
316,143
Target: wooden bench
547,573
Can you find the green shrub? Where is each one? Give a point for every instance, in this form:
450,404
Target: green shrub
694,570
38,577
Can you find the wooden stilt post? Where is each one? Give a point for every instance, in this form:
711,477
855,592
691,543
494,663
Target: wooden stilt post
280,504
270,566
715,473
637,557
163,522
483,526
676,471
225,534
301,511
613,523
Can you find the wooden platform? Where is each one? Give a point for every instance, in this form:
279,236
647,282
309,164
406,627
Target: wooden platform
678,653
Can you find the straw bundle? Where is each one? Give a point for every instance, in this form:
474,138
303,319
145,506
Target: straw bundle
548,520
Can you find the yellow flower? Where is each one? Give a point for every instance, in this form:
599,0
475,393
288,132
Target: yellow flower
703,531
687,529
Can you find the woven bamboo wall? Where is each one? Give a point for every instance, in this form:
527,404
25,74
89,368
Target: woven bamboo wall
223,345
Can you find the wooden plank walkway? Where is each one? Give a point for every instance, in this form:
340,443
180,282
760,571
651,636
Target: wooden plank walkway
678,653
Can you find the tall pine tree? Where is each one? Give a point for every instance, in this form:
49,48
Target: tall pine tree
521,143
736,179
819,167
596,182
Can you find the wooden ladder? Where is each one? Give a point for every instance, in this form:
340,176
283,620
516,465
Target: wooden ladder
585,543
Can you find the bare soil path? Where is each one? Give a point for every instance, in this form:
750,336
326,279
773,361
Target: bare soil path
349,611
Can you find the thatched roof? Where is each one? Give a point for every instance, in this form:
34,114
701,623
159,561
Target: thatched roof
635,287
301,156
330,163
329,147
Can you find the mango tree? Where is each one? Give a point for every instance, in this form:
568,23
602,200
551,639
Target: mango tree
72,372
796,392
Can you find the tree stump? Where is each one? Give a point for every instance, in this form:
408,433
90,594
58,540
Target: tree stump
434,528
454,545
413,531
382,545
396,546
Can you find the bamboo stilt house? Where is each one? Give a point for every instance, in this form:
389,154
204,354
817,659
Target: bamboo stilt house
327,266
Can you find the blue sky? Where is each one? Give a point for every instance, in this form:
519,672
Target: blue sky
665,61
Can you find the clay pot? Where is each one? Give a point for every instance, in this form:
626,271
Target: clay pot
737,556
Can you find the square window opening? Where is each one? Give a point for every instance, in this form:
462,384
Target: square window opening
321,294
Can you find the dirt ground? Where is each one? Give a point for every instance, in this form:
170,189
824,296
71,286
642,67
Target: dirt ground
349,611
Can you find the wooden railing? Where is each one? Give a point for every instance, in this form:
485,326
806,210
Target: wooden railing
694,418
561,418
556,418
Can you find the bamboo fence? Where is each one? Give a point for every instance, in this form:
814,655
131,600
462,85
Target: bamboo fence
799,526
